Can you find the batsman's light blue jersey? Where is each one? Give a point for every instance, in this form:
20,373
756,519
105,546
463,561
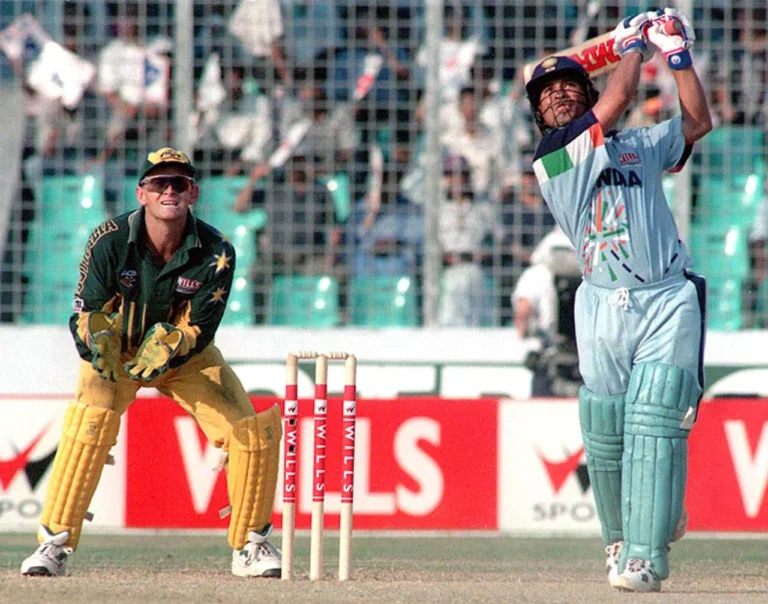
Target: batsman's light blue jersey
606,194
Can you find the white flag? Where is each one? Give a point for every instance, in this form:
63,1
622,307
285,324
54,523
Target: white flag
287,146
371,68
157,73
58,74
23,39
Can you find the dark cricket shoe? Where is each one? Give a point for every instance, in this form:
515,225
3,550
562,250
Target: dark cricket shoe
50,559
259,558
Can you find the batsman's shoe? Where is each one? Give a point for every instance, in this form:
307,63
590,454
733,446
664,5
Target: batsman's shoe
50,559
638,576
612,562
259,558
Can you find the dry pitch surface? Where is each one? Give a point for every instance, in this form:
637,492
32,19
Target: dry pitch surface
185,568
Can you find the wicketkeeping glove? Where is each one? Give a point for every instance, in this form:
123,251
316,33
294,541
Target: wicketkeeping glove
629,36
675,43
160,345
103,338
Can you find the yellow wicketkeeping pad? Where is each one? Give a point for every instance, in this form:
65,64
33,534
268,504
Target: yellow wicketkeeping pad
254,459
87,436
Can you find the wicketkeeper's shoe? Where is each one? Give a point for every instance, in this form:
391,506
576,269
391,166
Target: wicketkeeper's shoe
259,558
638,576
612,561
50,559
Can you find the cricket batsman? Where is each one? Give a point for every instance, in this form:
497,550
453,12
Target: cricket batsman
153,288
640,313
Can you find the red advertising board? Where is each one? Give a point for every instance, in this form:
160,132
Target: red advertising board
728,467
421,463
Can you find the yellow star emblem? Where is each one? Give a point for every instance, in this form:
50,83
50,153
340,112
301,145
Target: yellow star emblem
218,295
221,261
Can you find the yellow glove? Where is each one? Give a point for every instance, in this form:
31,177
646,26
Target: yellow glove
160,345
104,333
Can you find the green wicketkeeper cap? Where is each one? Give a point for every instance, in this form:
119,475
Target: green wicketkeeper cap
166,155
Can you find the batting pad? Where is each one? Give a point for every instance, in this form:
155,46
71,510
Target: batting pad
602,431
87,436
254,459
660,404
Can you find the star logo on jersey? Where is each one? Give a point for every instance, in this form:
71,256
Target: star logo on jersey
221,261
218,296
607,235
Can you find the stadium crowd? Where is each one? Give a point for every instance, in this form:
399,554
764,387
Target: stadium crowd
312,116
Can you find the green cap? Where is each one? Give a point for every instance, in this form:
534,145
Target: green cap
164,156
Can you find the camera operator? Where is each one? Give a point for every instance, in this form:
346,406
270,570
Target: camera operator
543,309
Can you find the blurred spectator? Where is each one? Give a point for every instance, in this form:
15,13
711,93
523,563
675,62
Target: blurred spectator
742,74
302,233
288,33
312,127
478,144
458,50
133,79
386,230
465,225
525,218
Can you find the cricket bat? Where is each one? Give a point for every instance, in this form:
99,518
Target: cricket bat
596,55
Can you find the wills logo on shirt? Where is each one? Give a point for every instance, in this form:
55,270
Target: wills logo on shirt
185,285
128,278
629,159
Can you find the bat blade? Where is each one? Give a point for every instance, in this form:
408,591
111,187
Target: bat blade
596,55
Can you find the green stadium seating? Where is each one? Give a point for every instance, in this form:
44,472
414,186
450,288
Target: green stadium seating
725,201
724,304
68,208
304,301
733,150
720,253
338,185
215,206
383,301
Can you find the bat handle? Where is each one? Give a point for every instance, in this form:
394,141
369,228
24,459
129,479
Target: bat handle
671,27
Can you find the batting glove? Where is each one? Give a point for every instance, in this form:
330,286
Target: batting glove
104,332
629,36
672,33
160,345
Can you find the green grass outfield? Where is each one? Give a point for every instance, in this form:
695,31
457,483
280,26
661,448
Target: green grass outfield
195,568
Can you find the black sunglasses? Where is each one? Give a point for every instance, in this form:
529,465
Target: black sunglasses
158,184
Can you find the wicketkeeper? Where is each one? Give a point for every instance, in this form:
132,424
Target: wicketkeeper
153,288
639,312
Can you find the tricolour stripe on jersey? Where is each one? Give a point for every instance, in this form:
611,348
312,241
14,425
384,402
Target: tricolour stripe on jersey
560,161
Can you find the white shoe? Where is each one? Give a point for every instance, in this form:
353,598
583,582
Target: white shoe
612,561
50,559
259,558
638,576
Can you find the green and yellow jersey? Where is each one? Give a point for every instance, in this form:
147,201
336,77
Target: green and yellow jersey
118,273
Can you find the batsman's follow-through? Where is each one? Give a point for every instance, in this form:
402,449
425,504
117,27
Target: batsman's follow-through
290,461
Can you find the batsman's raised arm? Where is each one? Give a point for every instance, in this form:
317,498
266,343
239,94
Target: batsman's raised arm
630,42
676,47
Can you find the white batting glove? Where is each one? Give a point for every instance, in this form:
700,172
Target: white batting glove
672,33
629,36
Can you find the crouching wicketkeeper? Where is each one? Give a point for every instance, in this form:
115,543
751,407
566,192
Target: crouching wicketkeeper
153,288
